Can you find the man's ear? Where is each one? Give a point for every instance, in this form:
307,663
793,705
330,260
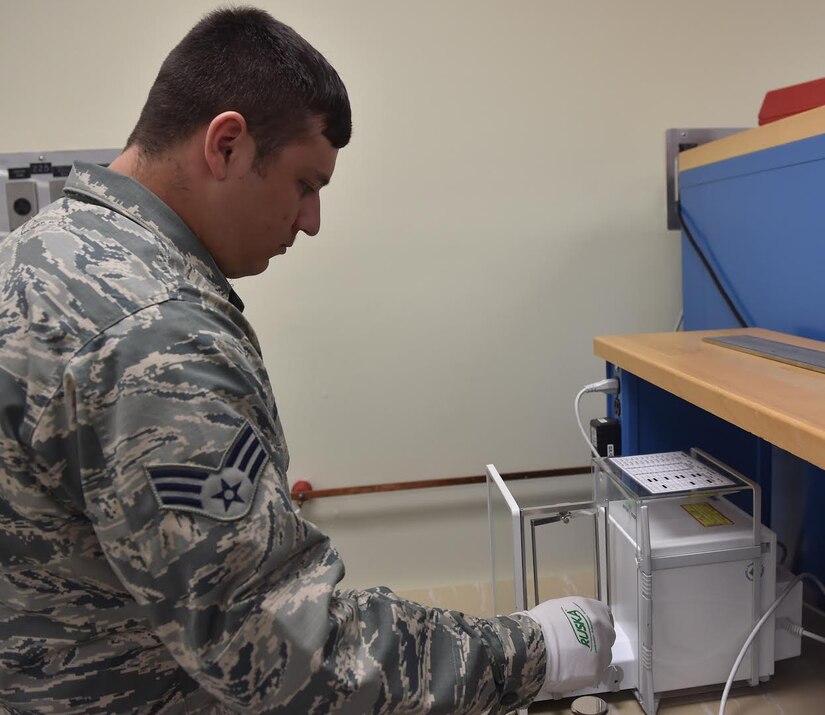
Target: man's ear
228,145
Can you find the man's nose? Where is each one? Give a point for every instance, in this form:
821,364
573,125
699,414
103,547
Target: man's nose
309,219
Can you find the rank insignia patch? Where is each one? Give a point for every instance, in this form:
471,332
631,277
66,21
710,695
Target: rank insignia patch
225,493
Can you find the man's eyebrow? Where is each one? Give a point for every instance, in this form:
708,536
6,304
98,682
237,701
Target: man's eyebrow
321,178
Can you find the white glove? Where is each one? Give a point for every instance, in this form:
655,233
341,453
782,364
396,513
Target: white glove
578,635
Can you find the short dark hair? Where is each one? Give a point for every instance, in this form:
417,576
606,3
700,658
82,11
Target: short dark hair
245,60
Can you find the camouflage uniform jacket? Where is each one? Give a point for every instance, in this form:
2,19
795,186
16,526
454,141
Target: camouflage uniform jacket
150,557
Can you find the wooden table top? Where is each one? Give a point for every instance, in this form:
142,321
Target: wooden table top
780,403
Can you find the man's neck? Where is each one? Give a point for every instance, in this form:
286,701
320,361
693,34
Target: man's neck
164,176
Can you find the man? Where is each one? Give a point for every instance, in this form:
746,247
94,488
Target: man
151,558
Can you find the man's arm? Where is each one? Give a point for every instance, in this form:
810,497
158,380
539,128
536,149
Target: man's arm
184,480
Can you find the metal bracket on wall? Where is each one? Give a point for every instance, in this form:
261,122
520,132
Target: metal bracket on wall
677,140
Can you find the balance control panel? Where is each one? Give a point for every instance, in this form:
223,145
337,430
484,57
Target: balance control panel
672,472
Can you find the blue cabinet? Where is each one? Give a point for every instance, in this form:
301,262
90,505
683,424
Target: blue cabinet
755,205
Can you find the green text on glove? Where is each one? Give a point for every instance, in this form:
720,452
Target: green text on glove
582,627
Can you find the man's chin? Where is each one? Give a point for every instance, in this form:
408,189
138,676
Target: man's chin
249,270
260,268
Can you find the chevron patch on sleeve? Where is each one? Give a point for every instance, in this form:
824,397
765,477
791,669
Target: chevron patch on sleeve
225,494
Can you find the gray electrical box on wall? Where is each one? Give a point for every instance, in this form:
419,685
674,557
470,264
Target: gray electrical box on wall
678,140
31,180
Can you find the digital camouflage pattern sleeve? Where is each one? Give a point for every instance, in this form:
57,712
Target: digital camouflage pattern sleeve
194,514
150,557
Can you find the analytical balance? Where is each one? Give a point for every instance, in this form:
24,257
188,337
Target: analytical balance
686,572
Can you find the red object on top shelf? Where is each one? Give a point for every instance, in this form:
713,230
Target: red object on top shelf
786,101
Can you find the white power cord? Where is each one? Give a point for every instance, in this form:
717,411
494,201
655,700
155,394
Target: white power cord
758,627
610,386
788,625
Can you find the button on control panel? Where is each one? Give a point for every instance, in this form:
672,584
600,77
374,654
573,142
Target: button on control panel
21,202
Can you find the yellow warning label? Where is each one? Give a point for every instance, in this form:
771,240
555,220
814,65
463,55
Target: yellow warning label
706,514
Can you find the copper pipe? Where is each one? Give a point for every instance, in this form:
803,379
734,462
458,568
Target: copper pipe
302,491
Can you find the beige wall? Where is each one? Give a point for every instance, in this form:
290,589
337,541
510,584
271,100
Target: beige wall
501,203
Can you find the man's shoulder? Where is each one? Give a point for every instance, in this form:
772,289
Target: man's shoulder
92,225
89,256
68,275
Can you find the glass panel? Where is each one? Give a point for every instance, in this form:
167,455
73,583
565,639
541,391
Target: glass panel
564,545
551,491
503,545
559,533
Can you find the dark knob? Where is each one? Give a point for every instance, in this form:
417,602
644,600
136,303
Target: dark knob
22,207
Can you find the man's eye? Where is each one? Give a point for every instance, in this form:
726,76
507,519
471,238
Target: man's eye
306,188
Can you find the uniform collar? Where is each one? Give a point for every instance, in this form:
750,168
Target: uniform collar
132,199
